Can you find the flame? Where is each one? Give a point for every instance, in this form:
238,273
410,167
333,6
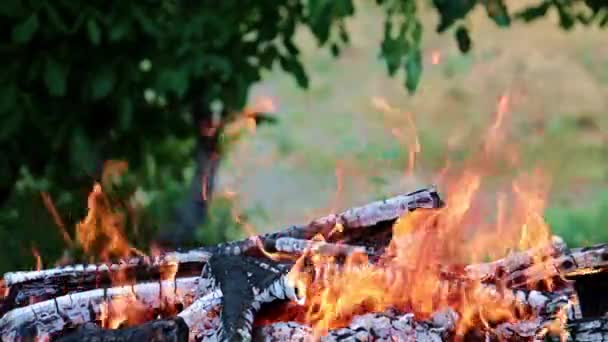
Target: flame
410,275
36,255
123,310
408,137
101,232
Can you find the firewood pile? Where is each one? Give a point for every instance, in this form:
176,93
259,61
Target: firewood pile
264,288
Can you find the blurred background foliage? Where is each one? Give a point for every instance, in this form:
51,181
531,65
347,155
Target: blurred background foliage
161,84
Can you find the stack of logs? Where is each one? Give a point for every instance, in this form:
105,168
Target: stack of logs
214,293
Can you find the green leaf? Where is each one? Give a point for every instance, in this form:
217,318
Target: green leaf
393,49
413,70
93,31
531,13
125,110
55,77
463,39
295,68
268,56
320,18
119,30
12,8
497,10
102,83
176,81
452,10
24,32
10,119
335,50
566,20
55,18
8,97
82,155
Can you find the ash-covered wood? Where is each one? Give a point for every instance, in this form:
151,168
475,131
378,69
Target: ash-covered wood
246,283
588,330
49,318
368,327
69,271
169,330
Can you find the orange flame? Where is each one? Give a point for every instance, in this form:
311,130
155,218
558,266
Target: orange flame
408,138
424,242
36,255
101,232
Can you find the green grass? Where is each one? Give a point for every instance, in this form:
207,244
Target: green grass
557,119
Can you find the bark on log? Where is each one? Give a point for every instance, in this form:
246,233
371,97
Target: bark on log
576,261
351,219
36,286
167,259
516,261
48,318
202,317
170,330
300,246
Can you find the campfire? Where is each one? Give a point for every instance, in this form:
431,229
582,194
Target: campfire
415,267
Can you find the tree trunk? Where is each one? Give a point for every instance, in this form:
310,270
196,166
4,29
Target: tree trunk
192,212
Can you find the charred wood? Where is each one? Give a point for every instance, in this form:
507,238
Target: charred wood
169,330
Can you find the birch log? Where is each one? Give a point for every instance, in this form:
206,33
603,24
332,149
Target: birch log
47,318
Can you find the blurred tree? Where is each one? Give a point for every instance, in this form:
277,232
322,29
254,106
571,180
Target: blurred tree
154,81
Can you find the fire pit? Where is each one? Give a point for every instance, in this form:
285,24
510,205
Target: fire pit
393,270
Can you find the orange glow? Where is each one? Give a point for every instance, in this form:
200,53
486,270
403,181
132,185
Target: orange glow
435,57
123,310
113,170
410,275
101,233
38,259
407,137
339,173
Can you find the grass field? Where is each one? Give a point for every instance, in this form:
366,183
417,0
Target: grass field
333,149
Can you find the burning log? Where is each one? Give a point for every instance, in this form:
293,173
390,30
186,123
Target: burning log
71,271
349,220
301,246
516,261
216,293
59,281
51,317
